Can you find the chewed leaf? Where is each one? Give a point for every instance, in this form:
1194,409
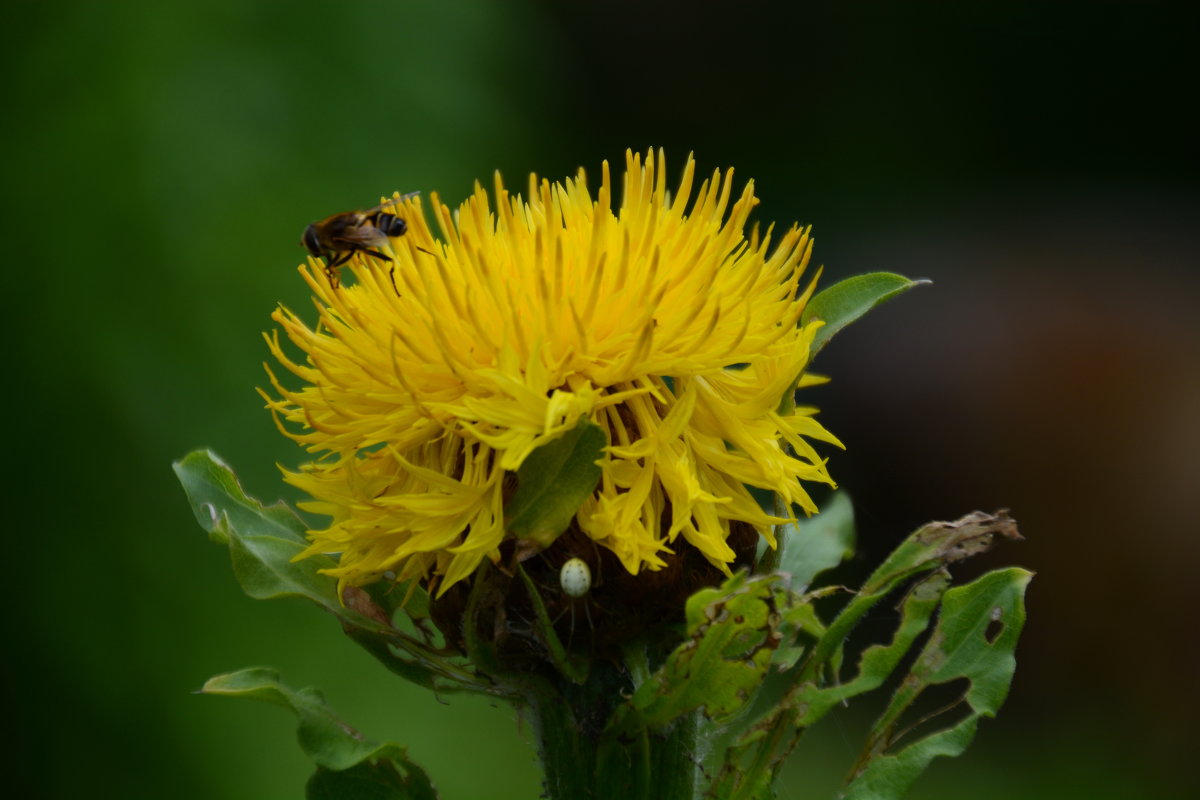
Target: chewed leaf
732,634
801,692
554,481
974,639
349,765
844,302
930,547
877,662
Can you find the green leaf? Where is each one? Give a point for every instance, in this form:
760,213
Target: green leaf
263,542
772,725
554,481
975,638
218,500
732,634
846,301
811,546
930,547
348,765
725,656
877,662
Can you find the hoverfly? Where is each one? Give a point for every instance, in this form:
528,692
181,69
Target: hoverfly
337,238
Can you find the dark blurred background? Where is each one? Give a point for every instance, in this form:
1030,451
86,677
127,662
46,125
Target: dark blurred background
1036,160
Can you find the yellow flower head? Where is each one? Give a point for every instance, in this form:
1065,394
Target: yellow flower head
656,317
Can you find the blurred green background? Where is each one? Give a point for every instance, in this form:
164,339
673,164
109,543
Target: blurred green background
1037,160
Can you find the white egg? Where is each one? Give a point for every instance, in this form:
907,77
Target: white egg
575,577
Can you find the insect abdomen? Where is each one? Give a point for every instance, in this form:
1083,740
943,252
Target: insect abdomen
389,224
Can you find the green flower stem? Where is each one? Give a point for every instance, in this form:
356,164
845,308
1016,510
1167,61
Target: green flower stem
580,764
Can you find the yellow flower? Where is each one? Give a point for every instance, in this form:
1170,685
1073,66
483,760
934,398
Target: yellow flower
656,317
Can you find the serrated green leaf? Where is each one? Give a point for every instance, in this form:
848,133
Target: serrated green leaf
809,547
553,482
752,749
876,663
349,765
734,632
930,547
846,301
264,540
750,761
975,638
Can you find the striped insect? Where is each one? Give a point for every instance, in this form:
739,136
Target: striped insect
338,237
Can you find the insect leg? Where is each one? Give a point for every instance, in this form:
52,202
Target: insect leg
332,262
377,254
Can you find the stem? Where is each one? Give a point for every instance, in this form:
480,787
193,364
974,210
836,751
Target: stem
581,763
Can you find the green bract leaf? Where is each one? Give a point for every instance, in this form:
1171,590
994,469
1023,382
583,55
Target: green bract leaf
264,540
975,638
554,481
349,766
809,547
844,302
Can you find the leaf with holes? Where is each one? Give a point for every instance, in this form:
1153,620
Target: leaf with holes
732,634
974,639
931,547
876,662
794,697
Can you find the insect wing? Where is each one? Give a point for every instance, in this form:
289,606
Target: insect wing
359,237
